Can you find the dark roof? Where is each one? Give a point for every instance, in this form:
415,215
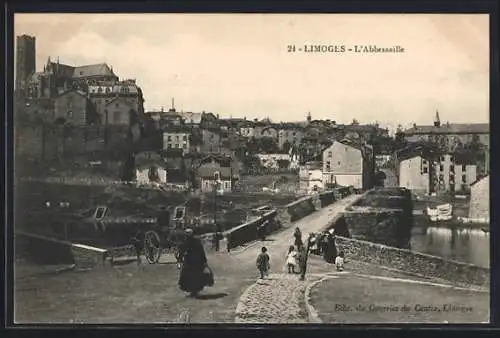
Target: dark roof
148,159
101,69
209,172
175,129
62,69
172,153
176,176
73,91
416,149
472,128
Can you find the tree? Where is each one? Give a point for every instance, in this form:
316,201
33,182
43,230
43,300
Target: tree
128,172
267,145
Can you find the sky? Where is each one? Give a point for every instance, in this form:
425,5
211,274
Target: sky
238,64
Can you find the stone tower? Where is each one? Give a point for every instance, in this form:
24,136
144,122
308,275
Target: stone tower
309,118
25,60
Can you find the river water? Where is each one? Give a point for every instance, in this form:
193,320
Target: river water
458,244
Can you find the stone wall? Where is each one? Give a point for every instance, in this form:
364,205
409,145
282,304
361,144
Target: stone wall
281,218
480,199
247,232
382,215
45,250
414,262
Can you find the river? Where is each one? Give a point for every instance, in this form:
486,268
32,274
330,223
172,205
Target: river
458,244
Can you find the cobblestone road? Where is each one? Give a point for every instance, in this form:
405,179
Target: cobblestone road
280,298
277,299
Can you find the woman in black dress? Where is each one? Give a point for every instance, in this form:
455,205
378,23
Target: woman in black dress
194,263
330,252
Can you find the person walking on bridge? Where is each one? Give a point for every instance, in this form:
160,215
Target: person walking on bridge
298,238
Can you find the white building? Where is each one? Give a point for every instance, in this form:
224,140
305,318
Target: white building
347,163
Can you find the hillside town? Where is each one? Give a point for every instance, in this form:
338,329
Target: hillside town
107,173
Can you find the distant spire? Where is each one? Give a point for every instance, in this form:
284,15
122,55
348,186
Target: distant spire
58,60
437,121
173,105
309,117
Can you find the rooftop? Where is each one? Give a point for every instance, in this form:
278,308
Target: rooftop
471,128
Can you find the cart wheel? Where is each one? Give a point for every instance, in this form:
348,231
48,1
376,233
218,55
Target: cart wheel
152,249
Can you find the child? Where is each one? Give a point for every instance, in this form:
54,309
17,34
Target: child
263,263
339,261
291,259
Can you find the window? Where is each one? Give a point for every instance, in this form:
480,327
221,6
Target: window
441,159
227,185
169,146
169,137
464,179
452,168
177,137
464,167
217,176
329,154
441,178
177,145
327,165
441,167
100,213
69,114
294,133
184,146
424,162
426,170
452,159
108,90
81,73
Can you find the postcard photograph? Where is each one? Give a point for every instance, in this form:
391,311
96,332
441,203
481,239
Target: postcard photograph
251,168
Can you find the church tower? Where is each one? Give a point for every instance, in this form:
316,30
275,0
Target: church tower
437,121
25,60
309,118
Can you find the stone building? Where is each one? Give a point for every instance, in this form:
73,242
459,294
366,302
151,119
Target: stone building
270,132
118,111
57,78
177,137
426,170
210,141
151,168
290,134
414,168
75,108
448,135
101,94
347,163
480,199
